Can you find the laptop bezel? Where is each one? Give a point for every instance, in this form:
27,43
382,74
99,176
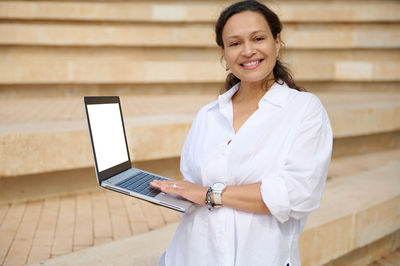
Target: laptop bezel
110,172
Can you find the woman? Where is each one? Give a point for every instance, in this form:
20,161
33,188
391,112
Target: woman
260,152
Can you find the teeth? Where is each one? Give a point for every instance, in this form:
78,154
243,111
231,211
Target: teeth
251,63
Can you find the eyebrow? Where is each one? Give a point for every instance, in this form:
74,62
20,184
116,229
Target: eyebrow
252,33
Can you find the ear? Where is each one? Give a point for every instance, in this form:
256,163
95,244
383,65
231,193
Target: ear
278,43
223,58
223,53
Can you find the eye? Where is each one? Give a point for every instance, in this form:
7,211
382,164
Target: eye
234,44
258,39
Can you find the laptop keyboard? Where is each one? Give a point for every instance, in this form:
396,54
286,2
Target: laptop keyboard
140,183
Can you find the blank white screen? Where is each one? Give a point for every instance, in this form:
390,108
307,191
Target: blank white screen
108,135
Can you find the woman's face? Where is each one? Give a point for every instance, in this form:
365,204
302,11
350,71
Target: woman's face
250,50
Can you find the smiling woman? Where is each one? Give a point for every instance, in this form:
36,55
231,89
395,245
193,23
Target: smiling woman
251,50
256,160
268,29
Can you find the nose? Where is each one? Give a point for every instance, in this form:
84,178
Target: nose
247,49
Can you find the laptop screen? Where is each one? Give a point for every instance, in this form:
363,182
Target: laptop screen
107,134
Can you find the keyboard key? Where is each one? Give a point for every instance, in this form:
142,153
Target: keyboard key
140,183
142,187
134,185
131,180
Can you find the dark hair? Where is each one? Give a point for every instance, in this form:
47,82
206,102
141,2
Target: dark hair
281,72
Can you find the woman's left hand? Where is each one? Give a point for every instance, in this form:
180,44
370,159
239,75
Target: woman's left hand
190,191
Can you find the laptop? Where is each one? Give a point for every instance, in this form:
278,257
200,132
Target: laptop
112,162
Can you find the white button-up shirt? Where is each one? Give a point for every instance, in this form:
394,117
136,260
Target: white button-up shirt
286,145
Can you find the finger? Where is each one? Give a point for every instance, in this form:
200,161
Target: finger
169,187
159,183
155,184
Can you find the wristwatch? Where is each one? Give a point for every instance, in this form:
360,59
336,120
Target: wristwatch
217,189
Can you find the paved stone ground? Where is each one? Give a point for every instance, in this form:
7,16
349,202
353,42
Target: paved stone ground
32,231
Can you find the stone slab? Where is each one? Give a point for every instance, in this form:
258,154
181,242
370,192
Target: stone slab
389,260
122,89
356,145
345,11
158,65
369,253
70,149
297,36
55,135
143,249
197,11
25,187
21,91
355,211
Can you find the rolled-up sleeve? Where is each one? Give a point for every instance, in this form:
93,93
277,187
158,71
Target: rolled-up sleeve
297,189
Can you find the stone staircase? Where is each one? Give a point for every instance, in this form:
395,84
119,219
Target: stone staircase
160,57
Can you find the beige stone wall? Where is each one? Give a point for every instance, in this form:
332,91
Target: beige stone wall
60,44
52,53
160,57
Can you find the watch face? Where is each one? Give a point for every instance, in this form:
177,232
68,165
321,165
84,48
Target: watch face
218,186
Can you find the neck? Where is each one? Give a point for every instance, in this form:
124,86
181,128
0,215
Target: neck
253,90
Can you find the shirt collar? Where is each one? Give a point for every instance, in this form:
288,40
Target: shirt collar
225,98
276,95
225,102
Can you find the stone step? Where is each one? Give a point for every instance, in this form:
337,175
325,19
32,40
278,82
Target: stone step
110,65
357,210
209,88
196,11
295,36
140,89
55,137
53,131
390,260
140,250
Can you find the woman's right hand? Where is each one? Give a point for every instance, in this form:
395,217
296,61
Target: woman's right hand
190,191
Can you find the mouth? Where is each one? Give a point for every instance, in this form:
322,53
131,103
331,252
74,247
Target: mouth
251,64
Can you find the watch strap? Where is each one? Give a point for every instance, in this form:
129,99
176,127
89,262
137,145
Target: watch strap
217,197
